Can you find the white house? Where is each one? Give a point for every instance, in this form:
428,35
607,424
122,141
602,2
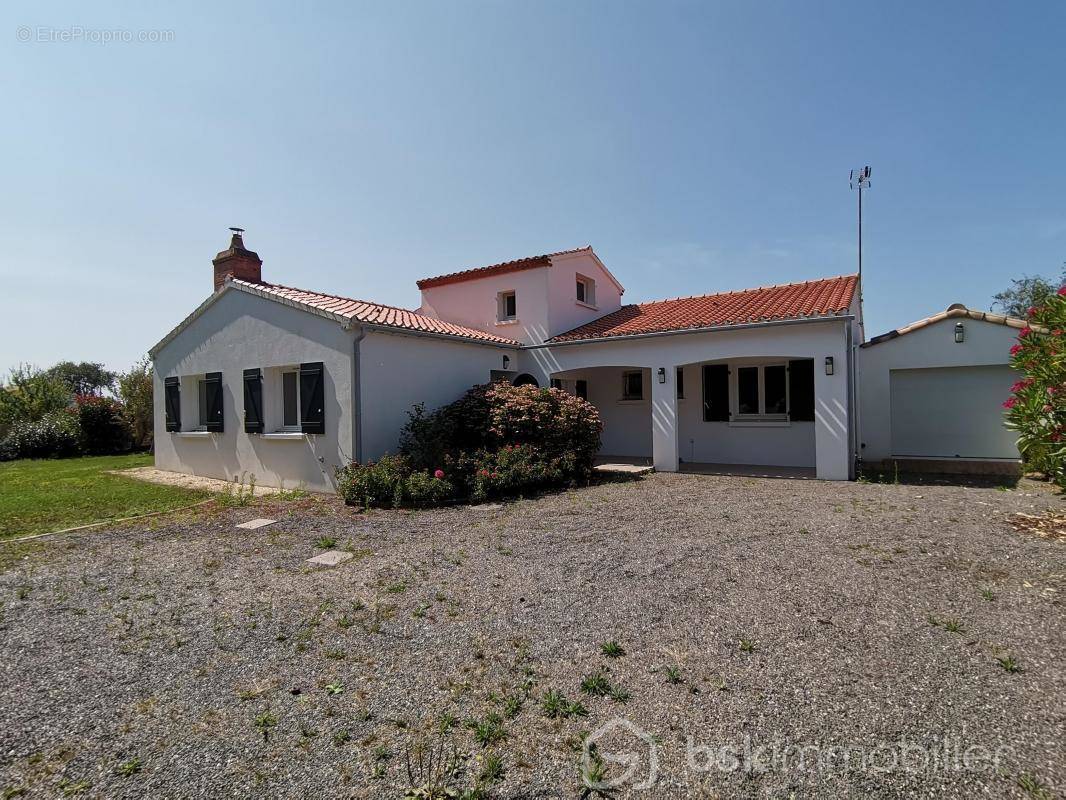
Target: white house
287,384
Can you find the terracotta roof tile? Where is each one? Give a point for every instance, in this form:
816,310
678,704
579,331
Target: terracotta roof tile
818,298
519,264
370,313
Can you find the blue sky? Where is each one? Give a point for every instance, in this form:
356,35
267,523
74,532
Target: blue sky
698,147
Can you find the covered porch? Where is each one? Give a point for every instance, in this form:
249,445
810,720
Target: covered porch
770,402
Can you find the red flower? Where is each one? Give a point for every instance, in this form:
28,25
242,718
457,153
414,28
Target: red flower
1033,311
1062,291
1015,349
1024,332
1057,332
1010,402
438,474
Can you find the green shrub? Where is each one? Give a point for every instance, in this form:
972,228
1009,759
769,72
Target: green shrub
423,489
378,483
103,427
28,395
459,427
515,469
55,436
1037,408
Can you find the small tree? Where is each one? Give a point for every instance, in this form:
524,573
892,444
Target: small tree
1025,293
1037,407
86,377
135,391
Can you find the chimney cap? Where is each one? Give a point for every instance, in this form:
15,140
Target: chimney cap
237,230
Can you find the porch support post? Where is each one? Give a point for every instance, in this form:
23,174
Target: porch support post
831,440
664,420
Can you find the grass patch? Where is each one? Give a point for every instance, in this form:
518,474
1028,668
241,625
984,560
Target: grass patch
37,496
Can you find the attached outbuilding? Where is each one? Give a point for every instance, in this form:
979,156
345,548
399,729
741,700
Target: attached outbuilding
931,394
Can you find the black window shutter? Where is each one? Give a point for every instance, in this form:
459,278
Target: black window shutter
253,401
801,390
172,403
312,398
214,401
716,393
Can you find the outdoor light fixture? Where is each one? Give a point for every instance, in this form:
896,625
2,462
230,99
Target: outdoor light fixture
506,362
828,365
662,374
960,333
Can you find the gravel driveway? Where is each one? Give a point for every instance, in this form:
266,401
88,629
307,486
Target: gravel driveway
775,638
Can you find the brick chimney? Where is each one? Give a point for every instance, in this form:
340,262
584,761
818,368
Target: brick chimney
237,261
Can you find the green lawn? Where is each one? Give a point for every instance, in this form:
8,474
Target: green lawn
48,495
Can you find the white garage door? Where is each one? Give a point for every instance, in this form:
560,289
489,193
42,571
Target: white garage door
951,412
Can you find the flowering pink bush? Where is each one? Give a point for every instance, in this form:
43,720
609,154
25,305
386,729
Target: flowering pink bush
1037,406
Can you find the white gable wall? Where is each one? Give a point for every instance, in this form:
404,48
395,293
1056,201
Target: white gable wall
241,331
473,303
564,311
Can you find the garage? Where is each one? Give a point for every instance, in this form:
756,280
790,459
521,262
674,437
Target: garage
952,412
931,394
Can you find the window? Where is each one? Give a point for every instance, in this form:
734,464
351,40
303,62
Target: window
774,390
290,400
762,391
201,401
586,290
633,385
507,307
748,390
581,389
556,383
680,383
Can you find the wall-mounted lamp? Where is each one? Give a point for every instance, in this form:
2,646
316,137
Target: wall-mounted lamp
828,365
662,374
960,333
506,362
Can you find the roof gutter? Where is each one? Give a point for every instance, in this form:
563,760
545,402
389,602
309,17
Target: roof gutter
710,329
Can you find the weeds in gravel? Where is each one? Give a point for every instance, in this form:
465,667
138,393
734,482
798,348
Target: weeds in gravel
326,543
620,694
129,768
988,595
950,624
747,646
556,706
265,722
336,655
489,730
672,673
612,649
396,588
512,706
593,774
491,769
447,721
343,736
1009,664
596,684
334,688
431,768
22,592
237,495
1033,787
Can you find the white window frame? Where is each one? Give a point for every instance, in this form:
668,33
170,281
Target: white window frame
590,290
201,403
761,414
501,306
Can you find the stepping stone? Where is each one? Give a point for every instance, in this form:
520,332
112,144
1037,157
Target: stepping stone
487,507
252,524
330,558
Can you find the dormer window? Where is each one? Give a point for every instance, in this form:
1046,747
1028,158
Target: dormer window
506,307
586,291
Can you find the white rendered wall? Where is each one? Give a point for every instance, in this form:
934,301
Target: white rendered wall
565,312
241,331
399,371
984,343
